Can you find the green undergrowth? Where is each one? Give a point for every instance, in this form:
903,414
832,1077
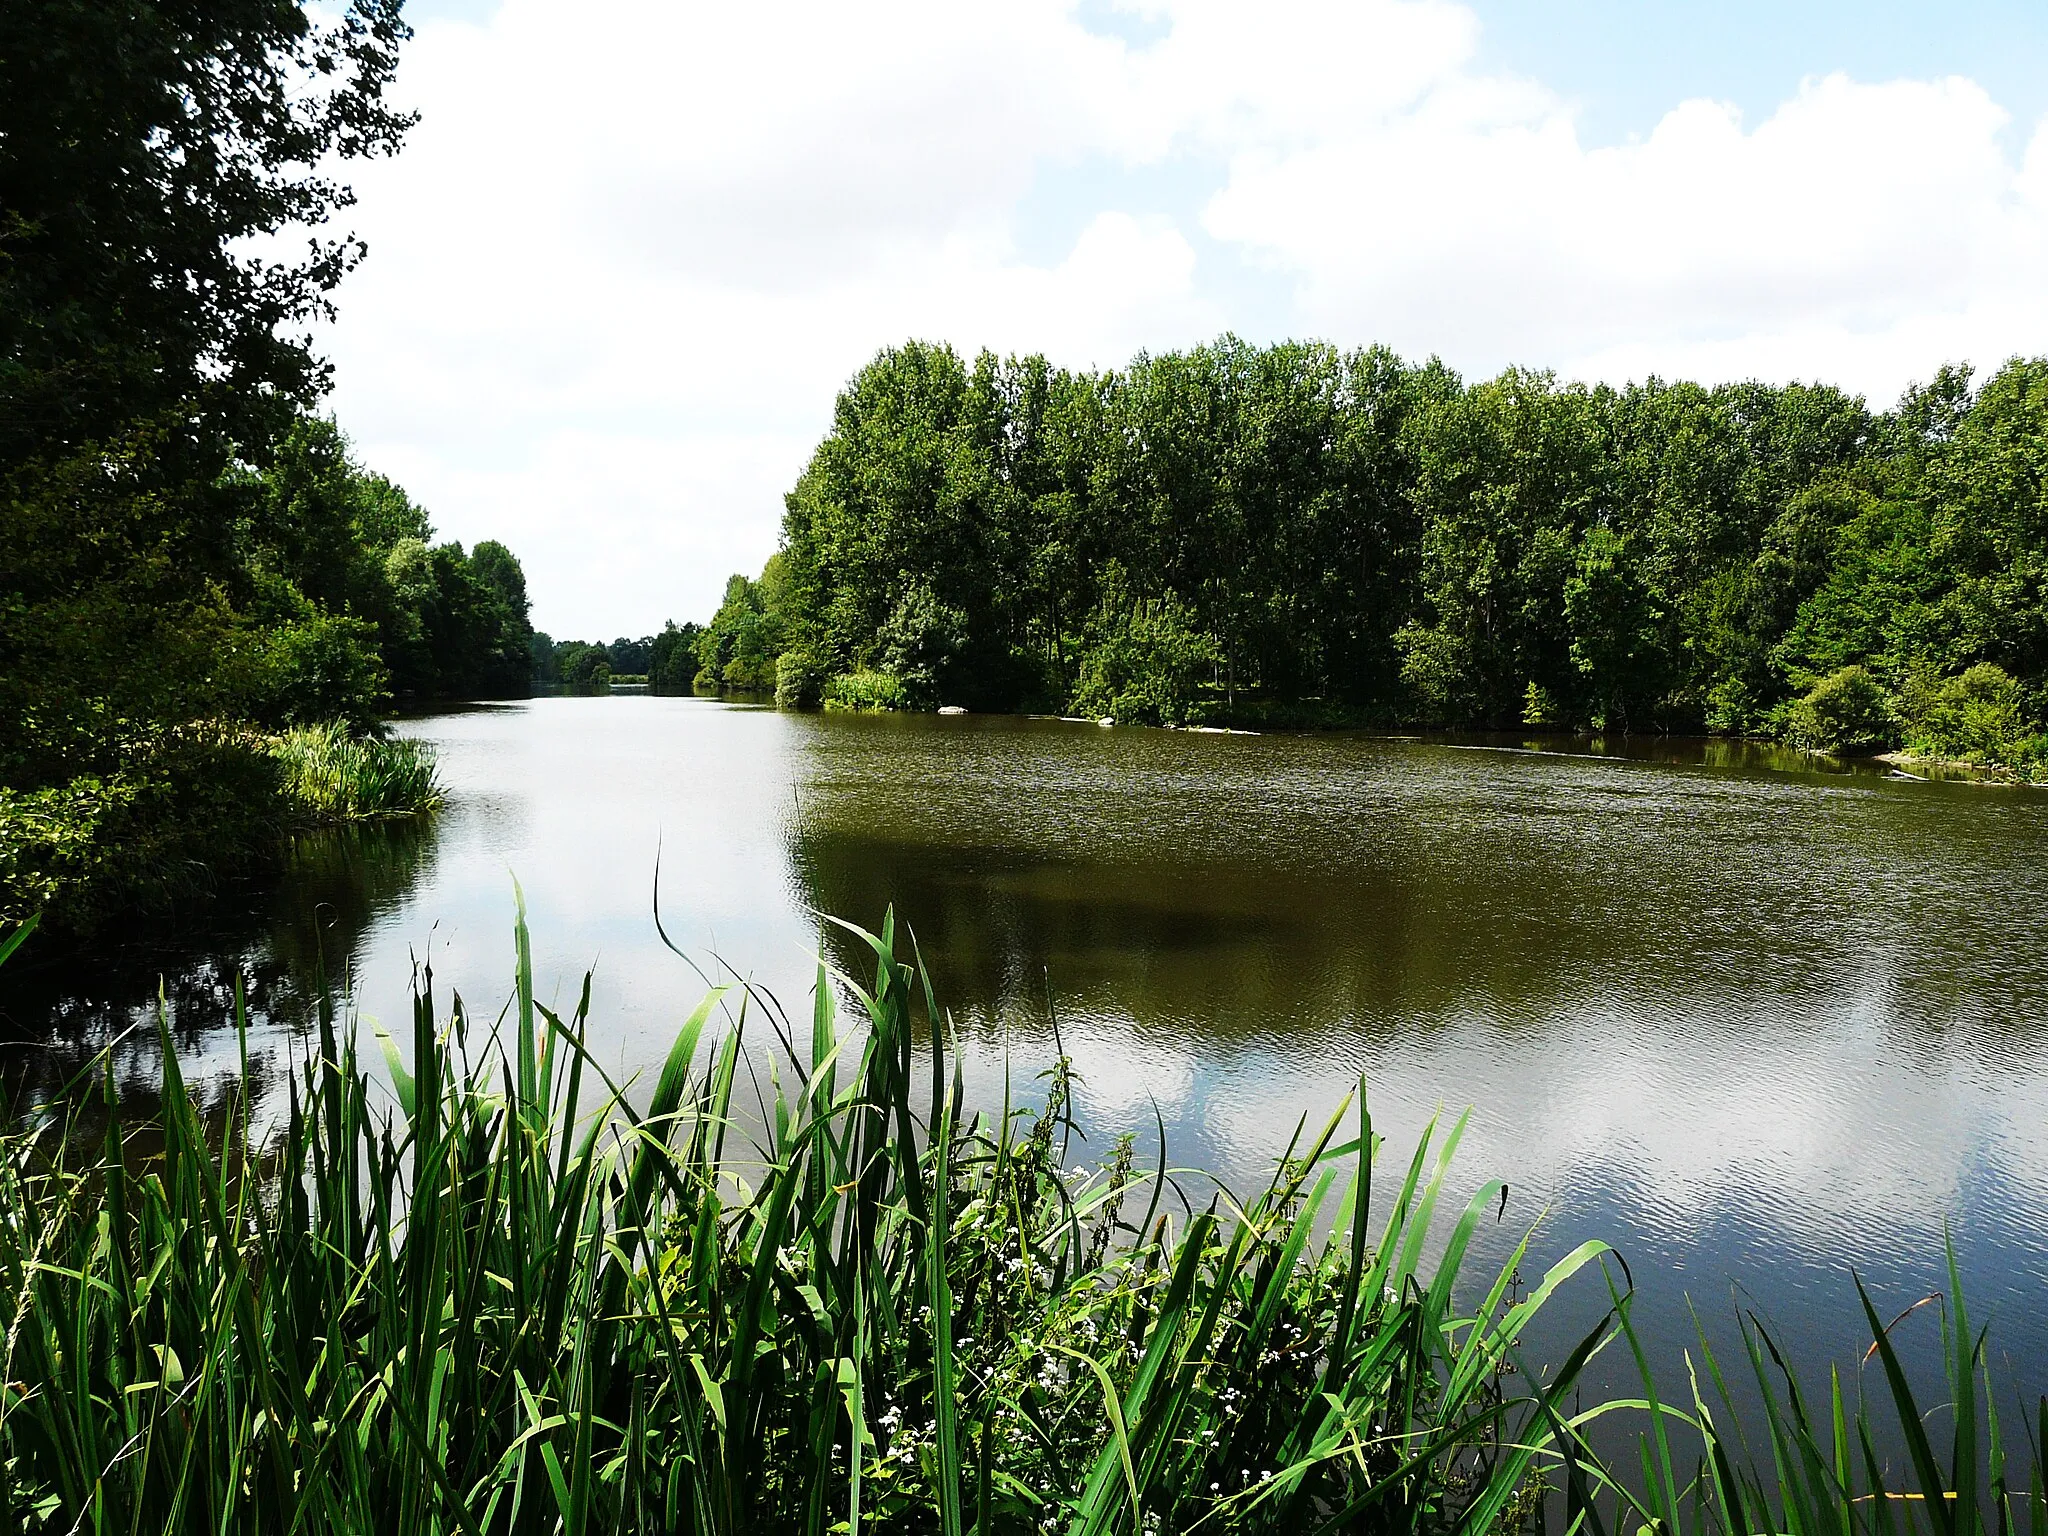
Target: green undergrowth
491,1290
159,833
149,836
865,692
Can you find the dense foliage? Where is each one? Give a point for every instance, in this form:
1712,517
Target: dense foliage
495,1293
666,662
152,350
1294,533
190,562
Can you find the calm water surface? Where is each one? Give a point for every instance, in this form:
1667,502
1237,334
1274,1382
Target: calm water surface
1751,1024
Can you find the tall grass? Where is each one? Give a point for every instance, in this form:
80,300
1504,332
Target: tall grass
503,1294
505,1299
1865,1460
332,775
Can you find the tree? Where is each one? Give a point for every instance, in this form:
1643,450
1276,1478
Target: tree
672,658
152,342
1383,541
144,149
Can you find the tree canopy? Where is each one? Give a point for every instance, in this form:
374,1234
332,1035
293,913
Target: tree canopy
1295,532
189,555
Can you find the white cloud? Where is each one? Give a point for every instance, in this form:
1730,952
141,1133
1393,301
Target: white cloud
634,248
1862,232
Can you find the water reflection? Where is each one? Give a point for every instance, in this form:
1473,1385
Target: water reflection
284,938
1748,1015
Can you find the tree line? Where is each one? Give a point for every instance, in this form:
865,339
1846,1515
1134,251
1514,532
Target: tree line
190,559
1298,534
666,662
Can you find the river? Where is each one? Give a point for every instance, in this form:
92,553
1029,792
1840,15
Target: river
1747,1019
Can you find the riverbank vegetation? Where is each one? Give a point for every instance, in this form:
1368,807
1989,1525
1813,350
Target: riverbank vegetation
159,831
492,1291
194,565
1298,535
338,778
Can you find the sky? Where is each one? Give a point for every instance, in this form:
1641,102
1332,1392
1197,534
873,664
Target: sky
635,247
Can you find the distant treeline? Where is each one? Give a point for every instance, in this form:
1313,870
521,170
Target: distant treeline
667,661
1298,534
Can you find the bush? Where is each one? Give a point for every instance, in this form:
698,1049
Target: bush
799,681
1977,717
323,667
1540,709
1146,665
1846,711
333,776
163,829
52,841
866,692
749,674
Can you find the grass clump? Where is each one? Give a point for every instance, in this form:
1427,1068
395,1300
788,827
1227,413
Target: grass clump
505,1295
866,692
331,775
515,1299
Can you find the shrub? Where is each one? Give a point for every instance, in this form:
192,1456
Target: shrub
333,776
866,692
749,673
799,681
1540,709
1977,717
323,667
52,841
1846,711
190,808
1146,665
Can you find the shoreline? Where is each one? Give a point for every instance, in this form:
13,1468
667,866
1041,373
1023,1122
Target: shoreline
1954,770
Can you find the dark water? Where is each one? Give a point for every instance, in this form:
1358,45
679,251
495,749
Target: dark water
1749,1021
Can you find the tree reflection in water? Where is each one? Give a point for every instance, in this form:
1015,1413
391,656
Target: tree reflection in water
285,937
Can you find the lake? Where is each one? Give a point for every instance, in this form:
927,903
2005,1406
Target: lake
1751,1021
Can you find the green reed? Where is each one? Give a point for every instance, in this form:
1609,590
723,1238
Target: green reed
331,775
491,1291
1865,1460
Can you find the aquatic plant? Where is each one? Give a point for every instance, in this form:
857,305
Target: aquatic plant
1849,1462
506,1295
865,692
496,1291
332,775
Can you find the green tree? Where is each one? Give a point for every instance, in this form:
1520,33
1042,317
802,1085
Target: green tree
739,647
153,339
1621,631
672,658
1507,476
